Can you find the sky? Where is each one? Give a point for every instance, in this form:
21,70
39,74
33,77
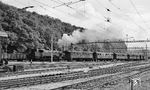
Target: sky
132,17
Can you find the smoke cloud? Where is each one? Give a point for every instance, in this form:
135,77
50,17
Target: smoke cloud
99,33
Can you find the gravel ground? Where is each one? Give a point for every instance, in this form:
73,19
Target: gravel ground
39,65
125,85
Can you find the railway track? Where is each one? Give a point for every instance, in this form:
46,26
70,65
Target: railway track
14,83
105,81
7,74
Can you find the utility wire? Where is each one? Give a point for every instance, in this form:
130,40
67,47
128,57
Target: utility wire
62,4
118,14
114,4
56,9
56,1
43,3
40,5
67,5
30,6
129,16
125,15
51,8
118,8
138,12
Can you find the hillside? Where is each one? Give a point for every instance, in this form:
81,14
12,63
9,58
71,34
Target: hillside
29,29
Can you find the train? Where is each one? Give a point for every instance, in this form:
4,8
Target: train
79,56
45,55
100,56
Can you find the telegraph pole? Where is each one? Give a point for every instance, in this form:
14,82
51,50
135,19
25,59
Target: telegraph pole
127,41
146,51
52,48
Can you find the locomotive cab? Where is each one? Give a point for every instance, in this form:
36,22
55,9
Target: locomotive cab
31,54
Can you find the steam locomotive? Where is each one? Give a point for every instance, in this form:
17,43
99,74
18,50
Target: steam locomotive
35,55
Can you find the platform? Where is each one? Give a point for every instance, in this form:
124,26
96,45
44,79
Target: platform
57,72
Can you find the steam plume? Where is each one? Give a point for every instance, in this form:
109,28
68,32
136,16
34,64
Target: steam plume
111,32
